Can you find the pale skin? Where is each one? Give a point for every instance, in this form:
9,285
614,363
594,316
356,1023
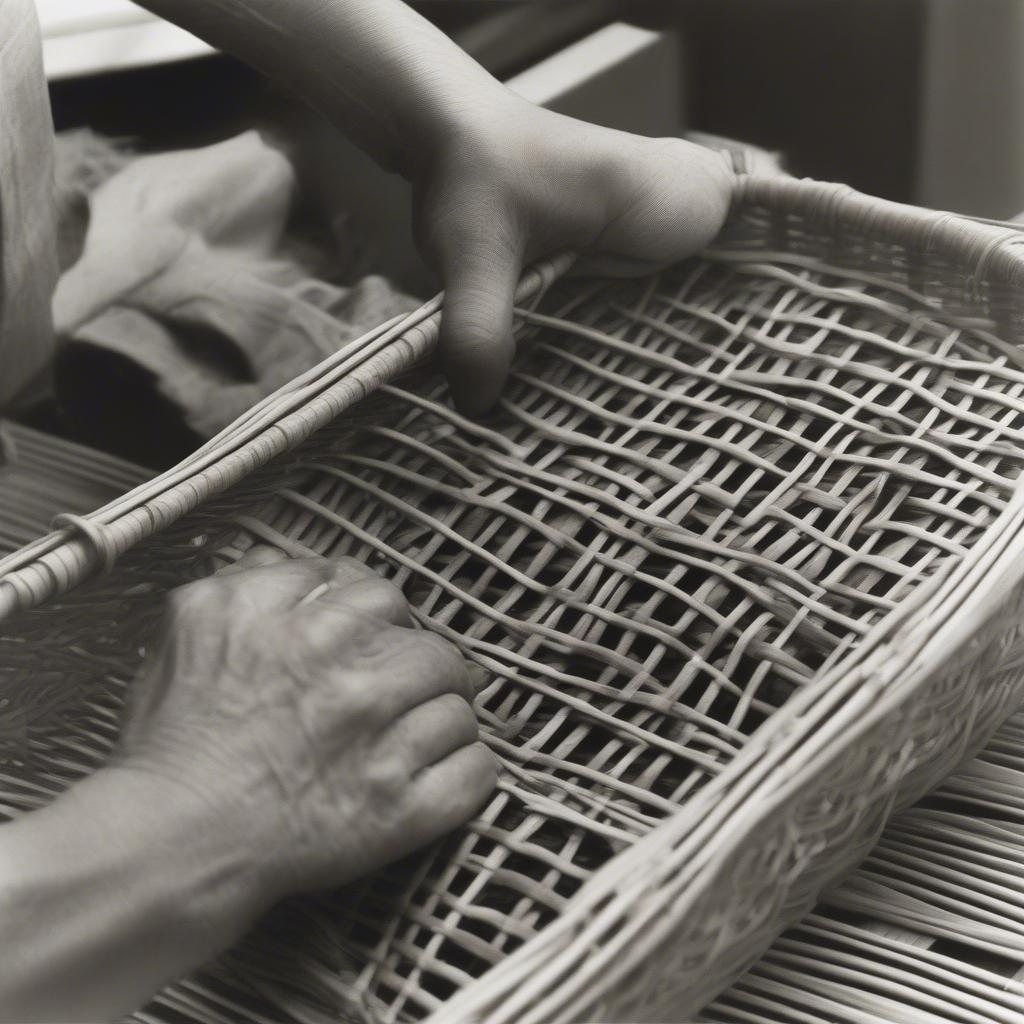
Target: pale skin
274,745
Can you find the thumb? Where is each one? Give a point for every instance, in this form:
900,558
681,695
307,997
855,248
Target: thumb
476,321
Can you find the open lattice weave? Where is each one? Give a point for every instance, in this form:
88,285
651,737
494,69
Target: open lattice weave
702,492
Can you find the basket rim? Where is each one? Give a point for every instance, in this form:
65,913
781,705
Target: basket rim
983,249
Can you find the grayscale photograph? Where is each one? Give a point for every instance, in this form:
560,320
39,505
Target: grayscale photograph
511,511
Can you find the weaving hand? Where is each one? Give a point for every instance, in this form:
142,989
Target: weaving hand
518,183
290,731
297,703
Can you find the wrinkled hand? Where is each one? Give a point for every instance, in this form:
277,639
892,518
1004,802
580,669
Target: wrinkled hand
328,734
522,183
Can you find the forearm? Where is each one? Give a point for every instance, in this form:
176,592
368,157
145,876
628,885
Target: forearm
384,74
112,891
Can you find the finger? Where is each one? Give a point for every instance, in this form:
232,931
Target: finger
277,586
476,343
404,667
256,556
421,667
346,570
448,793
342,572
431,731
479,678
674,197
373,597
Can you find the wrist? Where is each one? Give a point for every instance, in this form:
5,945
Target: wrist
110,892
212,867
465,117
477,131
444,112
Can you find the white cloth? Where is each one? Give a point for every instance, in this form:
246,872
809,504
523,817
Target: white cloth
186,272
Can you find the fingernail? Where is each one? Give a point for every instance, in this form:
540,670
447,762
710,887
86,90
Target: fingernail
479,677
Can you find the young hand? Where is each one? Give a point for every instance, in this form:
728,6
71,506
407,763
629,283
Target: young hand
514,183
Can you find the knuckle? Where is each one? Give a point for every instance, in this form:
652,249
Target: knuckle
327,631
311,569
341,622
441,656
347,565
194,598
260,556
458,710
345,573
387,776
380,599
389,599
362,699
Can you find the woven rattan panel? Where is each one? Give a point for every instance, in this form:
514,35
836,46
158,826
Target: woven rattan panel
700,491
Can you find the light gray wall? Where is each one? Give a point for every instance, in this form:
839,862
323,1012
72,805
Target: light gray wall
971,154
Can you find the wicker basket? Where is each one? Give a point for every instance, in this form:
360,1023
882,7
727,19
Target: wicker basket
740,552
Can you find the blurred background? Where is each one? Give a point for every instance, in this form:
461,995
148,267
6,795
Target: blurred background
915,100
918,101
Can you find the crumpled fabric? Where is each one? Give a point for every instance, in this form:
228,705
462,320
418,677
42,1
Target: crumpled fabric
184,270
